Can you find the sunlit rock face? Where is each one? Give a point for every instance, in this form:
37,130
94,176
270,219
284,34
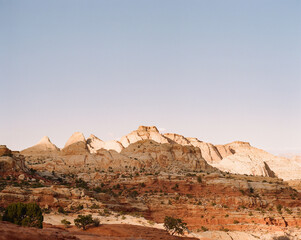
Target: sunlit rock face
76,145
44,146
94,144
11,161
143,133
170,151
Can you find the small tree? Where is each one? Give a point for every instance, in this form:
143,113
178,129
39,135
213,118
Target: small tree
83,221
22,214
174,225
66,223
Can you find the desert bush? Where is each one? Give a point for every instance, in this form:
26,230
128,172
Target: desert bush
61,210
95,206
66,223
199,179
133,194
224,229
80,183
83,221
97,189
24,214
204,229
279,208
174,225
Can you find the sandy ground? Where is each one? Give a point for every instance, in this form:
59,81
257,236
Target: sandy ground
55,219
120,220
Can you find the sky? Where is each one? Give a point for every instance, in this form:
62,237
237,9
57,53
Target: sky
216,70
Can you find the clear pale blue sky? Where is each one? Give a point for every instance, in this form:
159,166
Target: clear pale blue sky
216,70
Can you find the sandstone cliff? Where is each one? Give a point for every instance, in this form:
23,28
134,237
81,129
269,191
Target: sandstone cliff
146,147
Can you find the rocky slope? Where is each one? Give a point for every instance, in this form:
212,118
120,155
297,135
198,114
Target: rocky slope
11,161
212,204
145,182
152,149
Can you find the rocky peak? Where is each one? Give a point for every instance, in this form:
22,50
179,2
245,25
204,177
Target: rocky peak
239,144
76,137
143,133
148,129
94,143
45,141
44,146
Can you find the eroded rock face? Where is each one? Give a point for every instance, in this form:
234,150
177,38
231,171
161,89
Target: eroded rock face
7,164
236,157
76,145
176,138
11,161
95,144
75,138
245,159
209,152
166,156
143,133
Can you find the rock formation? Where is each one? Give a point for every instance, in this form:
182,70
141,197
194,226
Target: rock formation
146,147
44,146
11,161
94,144
174,157
143,133
76,145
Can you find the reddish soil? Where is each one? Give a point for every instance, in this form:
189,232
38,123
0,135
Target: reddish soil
10,231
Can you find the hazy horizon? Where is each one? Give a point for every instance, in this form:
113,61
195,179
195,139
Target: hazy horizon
220,71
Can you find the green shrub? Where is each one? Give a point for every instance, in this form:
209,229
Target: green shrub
80,183
95,206
66,223
204,229
174,225
83,221
24,214
61,210
199,179
224,229
279,208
